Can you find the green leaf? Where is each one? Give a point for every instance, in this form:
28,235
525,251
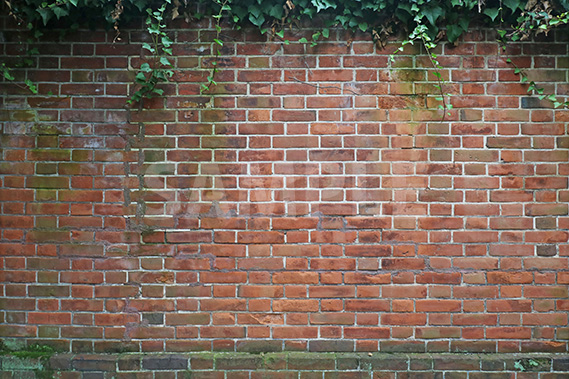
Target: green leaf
166,41
7,74
147,46
323,4
363,26
492,13
60,12
145,67
453,32
140,78
303,40
74,2
326,33
219,42
276,11
512,4
280,33
31,86
432,14
164,61
45,14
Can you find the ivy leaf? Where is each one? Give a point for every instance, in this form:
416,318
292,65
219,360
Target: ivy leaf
363,26
492,13
164,61
303,40
74,2
254,11
432,14
166,41
45,14
323,4
453,32
60,12
276,12
512,4
147,46
140,78
140,4
145,67
31,86
6,73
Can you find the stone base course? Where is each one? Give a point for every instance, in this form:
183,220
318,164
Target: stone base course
289,365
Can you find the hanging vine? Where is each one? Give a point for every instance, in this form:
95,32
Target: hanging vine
425,21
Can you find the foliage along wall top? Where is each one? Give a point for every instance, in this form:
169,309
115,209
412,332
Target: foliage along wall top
378,17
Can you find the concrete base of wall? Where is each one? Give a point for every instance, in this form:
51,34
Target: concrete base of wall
287,365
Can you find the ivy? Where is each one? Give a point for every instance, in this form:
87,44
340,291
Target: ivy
160,68
424,21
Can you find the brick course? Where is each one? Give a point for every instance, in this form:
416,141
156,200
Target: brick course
318,201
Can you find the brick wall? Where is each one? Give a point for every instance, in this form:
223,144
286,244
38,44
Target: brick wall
318,201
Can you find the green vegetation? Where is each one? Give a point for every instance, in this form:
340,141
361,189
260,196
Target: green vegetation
425,22
32,351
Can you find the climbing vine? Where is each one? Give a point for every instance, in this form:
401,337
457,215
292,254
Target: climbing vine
159,70
424,21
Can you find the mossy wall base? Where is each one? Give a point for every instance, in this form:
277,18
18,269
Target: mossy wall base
290,365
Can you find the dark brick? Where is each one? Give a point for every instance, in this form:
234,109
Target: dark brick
93,375
384,363
274,375
233,361
402,346
348,361
456,375
546,250
331,345
420,364
60,362
276,361
153,318
315,361
534,102
201,362
347,375
96,362
207,375
492,364
259,346
165,362
561,364
420,375
129,362
454,362
490,375
473,346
